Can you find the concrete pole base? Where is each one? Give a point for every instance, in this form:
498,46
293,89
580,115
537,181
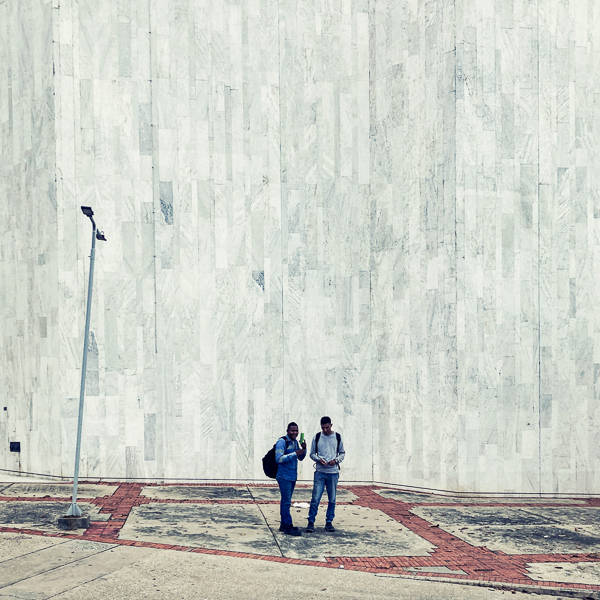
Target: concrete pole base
74,522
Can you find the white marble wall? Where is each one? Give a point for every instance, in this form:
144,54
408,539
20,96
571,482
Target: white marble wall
378,210
29,259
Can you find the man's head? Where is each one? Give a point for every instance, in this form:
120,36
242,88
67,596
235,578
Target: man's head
292,430
326,425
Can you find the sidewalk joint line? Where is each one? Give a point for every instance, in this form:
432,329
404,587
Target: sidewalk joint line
266,522
34,552
57,566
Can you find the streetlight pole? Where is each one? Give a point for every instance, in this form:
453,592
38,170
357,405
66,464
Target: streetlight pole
74,518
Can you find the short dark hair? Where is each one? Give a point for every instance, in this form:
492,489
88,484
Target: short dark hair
325,420
292,424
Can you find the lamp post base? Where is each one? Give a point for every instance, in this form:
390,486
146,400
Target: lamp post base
74,522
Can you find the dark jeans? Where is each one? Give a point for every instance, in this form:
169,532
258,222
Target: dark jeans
322,481
286,488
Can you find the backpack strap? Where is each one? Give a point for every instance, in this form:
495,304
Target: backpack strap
287,445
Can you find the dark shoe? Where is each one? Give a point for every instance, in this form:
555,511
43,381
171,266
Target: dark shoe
310,527
283,527
292,531
329,526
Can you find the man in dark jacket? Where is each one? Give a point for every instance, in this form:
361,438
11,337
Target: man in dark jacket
287,454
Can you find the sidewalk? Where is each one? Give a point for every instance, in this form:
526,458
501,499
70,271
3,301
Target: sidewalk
549,547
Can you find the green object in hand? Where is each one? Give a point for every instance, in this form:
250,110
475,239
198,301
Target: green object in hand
302,438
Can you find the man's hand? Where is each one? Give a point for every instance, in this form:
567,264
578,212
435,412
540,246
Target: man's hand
302,450
323,461
331,462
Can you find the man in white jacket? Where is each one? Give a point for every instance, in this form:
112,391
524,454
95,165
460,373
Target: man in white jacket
327,450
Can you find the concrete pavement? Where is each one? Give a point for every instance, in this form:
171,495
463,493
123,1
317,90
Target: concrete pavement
221,541
43,568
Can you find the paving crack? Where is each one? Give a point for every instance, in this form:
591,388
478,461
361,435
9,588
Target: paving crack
266,522
34,551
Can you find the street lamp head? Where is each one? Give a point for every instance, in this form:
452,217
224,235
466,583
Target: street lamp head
88,212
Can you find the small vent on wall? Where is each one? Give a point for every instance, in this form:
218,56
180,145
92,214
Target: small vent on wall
15,446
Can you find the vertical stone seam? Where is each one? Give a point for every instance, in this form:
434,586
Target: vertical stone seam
152,52
158,375
455,144
54,8
283,417
370,12
539,324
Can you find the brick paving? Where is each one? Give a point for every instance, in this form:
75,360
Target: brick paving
478,564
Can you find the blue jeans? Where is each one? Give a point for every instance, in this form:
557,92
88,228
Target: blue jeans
286,487
322,481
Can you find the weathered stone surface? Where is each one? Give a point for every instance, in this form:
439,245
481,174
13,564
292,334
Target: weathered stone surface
238,528
301,494
42,516
194,492
254,528
359,531
538,530
421,498
583,572
57,490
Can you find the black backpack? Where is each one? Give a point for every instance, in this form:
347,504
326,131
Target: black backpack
270,465
338,438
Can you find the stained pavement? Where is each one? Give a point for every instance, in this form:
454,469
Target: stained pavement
540,545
